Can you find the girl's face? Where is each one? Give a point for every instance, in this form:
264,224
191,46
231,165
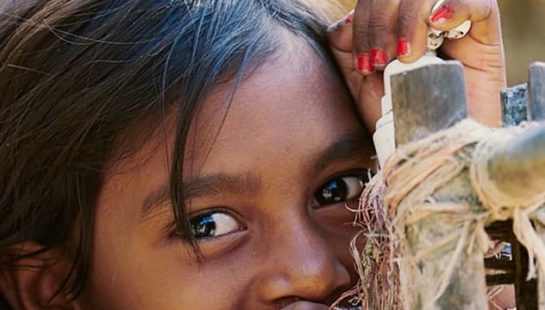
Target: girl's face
267,199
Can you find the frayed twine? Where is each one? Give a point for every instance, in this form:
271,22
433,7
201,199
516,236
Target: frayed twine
397,219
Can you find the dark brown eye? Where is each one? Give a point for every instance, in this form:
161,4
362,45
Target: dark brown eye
340,190
213,225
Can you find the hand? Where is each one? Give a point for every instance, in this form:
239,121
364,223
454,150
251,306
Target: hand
378,31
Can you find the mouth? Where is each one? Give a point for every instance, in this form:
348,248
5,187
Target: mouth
305,305
308,305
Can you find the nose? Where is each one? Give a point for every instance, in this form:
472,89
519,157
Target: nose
303,264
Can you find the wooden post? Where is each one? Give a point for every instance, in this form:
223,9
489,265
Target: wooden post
519,103
427,100
514,105
536,92
536,112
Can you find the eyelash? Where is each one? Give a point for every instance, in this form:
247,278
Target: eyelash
207,223
362,176
201,219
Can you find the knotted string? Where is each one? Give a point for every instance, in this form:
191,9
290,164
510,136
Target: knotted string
406,189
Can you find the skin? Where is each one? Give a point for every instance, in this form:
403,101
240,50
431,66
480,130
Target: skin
280,247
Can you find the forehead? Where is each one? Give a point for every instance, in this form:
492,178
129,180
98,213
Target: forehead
273,127
293,105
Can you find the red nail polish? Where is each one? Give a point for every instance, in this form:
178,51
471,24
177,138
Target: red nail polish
443,13
348,19
403,48
378,57
364,64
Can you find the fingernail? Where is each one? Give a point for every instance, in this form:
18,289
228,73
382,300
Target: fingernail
364,64
378,57
348,19
403,48
341,23
443,13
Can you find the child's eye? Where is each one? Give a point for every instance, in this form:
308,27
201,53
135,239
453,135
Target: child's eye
213,225
339,190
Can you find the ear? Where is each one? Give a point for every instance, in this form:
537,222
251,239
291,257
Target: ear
30,283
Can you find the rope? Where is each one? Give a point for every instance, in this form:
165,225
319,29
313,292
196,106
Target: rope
438,199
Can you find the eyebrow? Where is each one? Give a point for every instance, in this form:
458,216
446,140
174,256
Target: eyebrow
205,186
349,146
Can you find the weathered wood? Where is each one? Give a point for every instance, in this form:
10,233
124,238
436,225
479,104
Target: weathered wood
432,98
517,167
515,110
428,99
514,105
539,224
499,264
536,91
424,101
536,112
500,279
501,231
525,291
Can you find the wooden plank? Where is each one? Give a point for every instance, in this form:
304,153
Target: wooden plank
525,291
500,279
536,112
536,92
517,167
514,105
501,231
428,99
515,110
424,101
539,225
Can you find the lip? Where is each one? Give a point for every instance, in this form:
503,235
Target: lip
308,305
305,305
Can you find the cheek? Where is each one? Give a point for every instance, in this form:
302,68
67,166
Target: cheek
337,219
167,278
131,272
338,226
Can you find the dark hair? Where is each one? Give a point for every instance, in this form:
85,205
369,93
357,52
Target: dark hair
77,77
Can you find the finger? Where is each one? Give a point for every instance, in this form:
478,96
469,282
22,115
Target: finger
413,29
485,85
362,48
370,94
340,34
484,37
383,32
484,14
340,40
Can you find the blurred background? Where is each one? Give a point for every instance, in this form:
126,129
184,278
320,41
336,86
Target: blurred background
523,23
